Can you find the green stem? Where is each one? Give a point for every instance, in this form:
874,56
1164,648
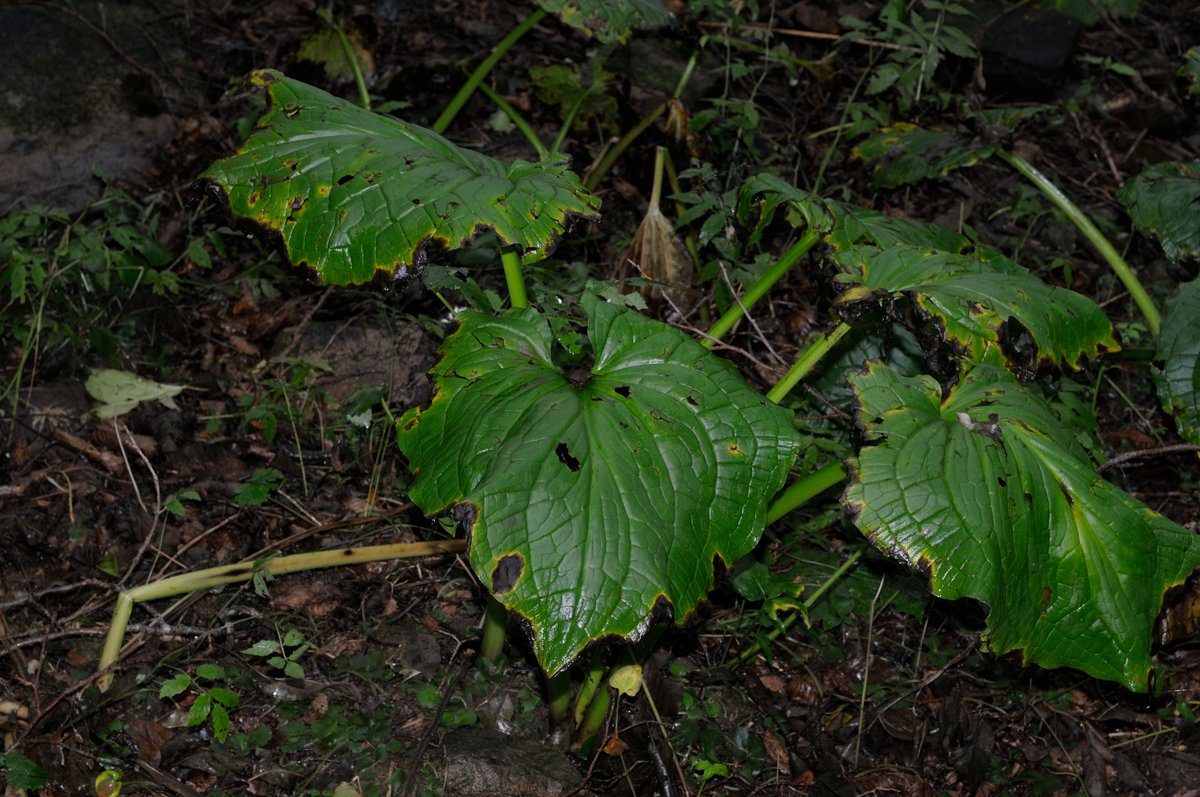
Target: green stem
759,289
593,718
244,571
513,278
811,601
364,97
481,71
807,360
594,176
805,489
517,119
1085,225
495,628
587,690
558,697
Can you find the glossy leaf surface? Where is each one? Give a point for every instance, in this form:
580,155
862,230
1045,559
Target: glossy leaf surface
988,306
354,194
592,496
1178,378
988,492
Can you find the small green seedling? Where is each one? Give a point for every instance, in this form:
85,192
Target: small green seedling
212,699
283,653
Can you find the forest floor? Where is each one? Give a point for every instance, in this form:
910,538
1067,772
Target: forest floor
363,680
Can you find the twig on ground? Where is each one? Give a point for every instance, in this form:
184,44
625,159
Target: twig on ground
1119,459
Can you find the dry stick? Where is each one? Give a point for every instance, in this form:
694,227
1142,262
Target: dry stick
157,498
862,700
1178,448
812,34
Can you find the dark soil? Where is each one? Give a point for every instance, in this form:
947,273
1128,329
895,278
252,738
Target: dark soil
885,692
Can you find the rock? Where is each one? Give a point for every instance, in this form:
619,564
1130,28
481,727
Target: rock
482,762
364,353
71,106
1025,51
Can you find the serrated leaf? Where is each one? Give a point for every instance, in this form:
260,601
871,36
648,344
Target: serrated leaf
1178,377
609,20
354,194
976,304
989,493
1164,203
201,708
220,722
989,306
224,697
293,638
592,497
210,672
24,773
905,154
175,686
263,647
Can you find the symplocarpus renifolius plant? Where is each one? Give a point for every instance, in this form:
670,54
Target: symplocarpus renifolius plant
597,483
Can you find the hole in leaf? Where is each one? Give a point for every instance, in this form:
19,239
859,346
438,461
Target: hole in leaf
464,515
345,178
622,391
564,456
506,573
692,401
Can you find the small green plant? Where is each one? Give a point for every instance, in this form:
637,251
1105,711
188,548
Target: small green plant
68,278
919,39
282,653
258,489
210,698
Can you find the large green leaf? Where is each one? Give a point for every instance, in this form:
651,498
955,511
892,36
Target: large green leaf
594,496
1164,203
1178,379
988,306
904,154
609,20
975,304
988,492
354,194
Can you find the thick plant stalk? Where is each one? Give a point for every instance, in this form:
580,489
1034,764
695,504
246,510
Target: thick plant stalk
1085,225
558,697
513,277
244,571
807,361
485,67
804,490
495,628
759,289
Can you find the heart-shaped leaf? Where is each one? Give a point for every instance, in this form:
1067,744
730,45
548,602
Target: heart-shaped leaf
354,194
593,497
987,491
1178,379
